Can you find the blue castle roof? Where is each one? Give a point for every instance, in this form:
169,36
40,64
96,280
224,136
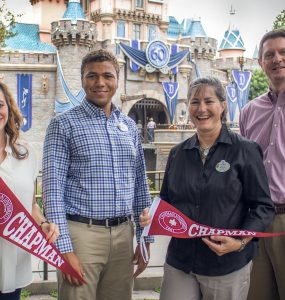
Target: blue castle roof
196,30
232,40
173,28
74,11
27,39
187,28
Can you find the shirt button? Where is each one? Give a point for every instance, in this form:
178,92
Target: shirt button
271,143
197,206
275,125
269,161
279,107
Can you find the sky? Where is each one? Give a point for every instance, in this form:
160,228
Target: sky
252,17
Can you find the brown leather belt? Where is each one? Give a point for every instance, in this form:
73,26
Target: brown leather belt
106,222
279,209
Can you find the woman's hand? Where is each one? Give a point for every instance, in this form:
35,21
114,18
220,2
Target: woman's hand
145,217
223,244
51,231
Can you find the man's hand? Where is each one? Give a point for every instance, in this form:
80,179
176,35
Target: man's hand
222,244
138,260
73,260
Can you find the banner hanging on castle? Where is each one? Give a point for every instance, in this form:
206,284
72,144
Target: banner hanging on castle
24,96
232,100
171,93
242,80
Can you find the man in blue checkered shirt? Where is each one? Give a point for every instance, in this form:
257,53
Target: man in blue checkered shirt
94,184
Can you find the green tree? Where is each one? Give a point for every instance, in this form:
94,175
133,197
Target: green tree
259,84
280,20
7,23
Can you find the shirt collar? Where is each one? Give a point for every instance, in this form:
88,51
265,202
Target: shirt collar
274,96
94,110
224,138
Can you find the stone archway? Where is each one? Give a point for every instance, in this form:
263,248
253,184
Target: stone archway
149,108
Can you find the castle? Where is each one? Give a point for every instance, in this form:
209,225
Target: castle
51,51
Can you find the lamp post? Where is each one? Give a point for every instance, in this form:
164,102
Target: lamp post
241,62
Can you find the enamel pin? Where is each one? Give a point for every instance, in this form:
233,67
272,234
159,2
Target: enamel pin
222,166
123,127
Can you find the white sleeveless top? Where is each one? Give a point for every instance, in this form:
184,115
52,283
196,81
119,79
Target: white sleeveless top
15,263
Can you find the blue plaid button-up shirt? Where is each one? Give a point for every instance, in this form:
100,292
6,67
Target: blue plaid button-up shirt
93,166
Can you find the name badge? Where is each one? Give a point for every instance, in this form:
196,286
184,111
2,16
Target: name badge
222,166
123,127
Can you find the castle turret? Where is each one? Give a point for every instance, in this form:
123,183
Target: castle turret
74,37
232,44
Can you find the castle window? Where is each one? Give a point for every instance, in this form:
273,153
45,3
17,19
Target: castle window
120,29
136,32
151,32
139,3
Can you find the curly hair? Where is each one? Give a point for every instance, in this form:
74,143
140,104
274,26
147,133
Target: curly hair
14,123
100,56
199,83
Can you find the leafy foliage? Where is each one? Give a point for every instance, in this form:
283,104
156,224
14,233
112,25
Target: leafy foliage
259,84
7,23
25,294
280,20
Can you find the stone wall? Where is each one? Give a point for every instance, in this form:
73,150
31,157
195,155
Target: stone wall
43,69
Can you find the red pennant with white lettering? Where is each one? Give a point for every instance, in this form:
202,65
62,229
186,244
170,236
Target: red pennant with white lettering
168,220
18,227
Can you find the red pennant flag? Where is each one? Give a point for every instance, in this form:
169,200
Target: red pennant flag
18,227
168,220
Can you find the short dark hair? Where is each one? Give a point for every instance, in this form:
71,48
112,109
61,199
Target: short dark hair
100,56
273,34
198,84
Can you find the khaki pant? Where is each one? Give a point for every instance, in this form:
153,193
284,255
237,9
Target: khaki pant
182,286
106,255
268,271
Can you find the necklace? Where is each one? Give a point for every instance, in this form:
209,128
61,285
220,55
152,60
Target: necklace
204,152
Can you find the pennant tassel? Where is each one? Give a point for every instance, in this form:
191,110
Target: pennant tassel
152,210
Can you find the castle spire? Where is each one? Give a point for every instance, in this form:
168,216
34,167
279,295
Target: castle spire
74,11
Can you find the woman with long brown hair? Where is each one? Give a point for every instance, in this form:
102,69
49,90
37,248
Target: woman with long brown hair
18,169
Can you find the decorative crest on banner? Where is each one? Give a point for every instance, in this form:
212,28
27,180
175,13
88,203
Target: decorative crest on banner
242,80
231,100
24,96
171,93
156,57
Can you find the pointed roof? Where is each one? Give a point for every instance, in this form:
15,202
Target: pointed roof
255,53
196,30
173,28
232,40
74,11
27,39
188,28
